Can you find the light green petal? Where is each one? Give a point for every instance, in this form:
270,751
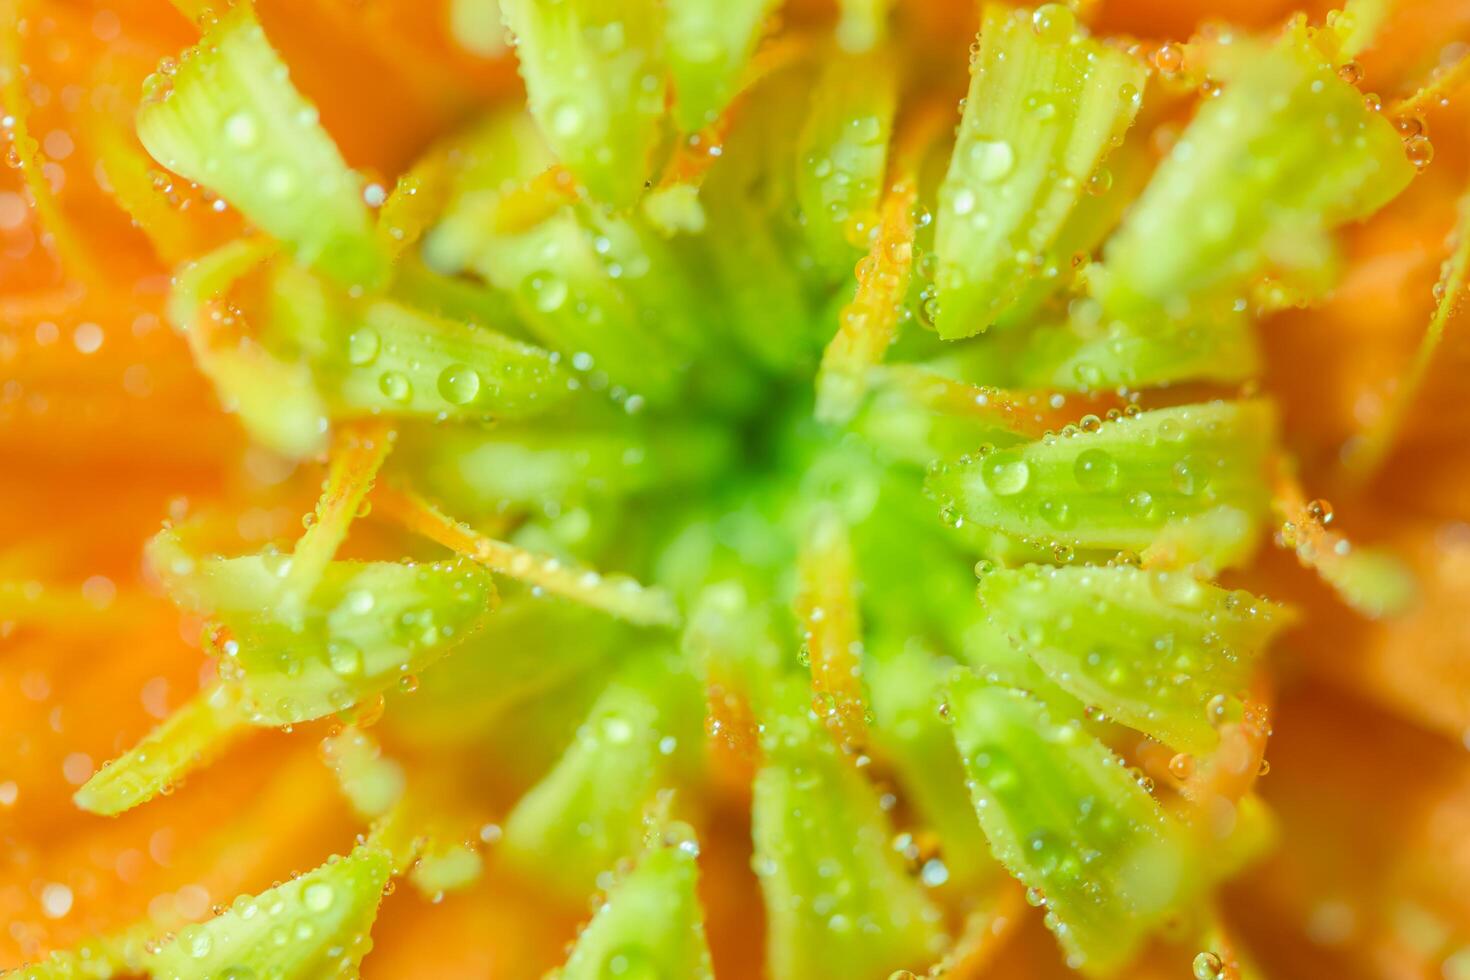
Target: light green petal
651,924
311,928
367,625
234,123
1071,822
1188,480
1149,649
595,82
1045,105
838,901
710,43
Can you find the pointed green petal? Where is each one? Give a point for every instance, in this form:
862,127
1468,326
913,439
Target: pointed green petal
277,401
569,295
842,154
402,361
312,928
371,783
1188,482
1286,154
525,466
366,625
910,734
863,24
651,924
1088,353
189,738
710,42
233,122
1046,103
1071,822
594,78
588,811
838,901
1149,648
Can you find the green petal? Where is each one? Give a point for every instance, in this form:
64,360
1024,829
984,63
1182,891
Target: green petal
1088,353
195,733
366,625
594,80
371,783
571,296
838,901
233,122
588,811
277,401
1186,482
1263,172
651,924
863,23
910,735
1149,648
312,928
1046,103
710,43
1071,822
842,154
394,359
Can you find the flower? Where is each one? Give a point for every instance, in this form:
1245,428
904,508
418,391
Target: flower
834,541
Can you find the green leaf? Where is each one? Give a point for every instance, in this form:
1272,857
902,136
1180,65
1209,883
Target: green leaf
710,43
842,153
838,900
588,811
1259,178
1046,104
194,734
595,82
1068,819
1182,485
233,122
651,924
311,928
366,625
1149,648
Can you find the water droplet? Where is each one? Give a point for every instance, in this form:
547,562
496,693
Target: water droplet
318,896
1005,473
1169,58
993,160
459,384
1095,469
1419,151
345,657
1208,966
1054,22
566,119
240,130
395,386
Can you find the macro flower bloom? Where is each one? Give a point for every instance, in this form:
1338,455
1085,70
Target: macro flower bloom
759,518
